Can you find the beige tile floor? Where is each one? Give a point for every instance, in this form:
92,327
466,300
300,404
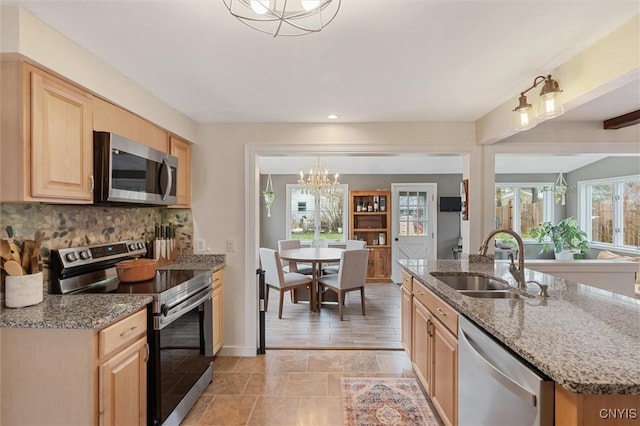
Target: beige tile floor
289,387
297,382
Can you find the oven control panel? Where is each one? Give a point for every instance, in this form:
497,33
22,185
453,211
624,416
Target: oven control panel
87,255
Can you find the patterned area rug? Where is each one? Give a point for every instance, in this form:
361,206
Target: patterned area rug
385,401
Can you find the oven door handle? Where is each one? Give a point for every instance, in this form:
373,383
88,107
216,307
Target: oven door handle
172,312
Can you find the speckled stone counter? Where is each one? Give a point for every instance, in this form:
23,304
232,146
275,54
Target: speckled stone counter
85,311
198,261
585,339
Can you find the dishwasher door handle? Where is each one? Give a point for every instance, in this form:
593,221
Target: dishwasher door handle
494,372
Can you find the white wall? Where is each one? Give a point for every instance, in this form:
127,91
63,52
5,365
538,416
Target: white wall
226,190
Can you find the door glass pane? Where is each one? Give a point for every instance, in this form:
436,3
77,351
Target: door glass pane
412,209
602,213
631,213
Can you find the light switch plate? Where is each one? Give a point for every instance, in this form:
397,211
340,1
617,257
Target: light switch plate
200,245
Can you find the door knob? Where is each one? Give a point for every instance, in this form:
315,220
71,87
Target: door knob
395,239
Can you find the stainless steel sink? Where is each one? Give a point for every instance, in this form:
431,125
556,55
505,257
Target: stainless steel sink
491,294
473,282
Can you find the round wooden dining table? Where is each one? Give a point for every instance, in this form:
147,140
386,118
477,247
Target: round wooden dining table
316,256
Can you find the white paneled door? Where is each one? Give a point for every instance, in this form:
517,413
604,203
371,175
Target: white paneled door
414,226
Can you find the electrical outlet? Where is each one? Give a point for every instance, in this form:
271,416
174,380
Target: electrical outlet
231,245
200,245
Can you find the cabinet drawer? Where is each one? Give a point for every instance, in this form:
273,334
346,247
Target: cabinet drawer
122,333
407,281
217,279
440,309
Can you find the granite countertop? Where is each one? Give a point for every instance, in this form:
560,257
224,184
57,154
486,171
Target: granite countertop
82,311
214,262
94,311
585,339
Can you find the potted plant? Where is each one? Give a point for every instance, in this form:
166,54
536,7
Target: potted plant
566,237
505,242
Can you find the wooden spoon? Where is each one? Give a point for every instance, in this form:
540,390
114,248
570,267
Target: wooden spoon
15,251
5,250
35,254
27,252
13,268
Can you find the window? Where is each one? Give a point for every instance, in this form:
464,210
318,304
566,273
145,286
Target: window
610,210
521,206
327,211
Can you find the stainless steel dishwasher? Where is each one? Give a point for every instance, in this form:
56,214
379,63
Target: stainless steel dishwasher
495,388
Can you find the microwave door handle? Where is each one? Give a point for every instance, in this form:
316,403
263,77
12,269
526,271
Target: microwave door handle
169,181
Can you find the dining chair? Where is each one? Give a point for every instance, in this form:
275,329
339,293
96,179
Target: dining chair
302,268
350,245
351,276
276,278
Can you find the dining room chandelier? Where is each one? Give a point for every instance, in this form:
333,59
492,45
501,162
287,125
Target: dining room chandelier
284,17
317,181
549,104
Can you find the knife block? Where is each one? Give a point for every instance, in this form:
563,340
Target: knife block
165,251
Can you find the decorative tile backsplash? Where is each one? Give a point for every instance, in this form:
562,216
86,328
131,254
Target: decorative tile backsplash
73,225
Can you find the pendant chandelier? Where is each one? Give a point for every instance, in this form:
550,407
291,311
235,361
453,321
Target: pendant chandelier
317,181
284,17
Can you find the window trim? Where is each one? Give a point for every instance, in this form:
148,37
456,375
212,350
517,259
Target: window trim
548,202
585,206
317,210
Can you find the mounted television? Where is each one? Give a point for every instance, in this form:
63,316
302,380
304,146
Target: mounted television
450,204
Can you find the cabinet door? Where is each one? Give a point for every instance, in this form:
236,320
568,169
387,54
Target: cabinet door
444,391
123,387
182,150
407,314
217,304
111,118
379,269
61,140
421,344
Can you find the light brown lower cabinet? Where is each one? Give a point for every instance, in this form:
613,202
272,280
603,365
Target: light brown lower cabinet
217,303
76,376
573,409
406,309
435,351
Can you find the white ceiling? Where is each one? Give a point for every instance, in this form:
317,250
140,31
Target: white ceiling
378,61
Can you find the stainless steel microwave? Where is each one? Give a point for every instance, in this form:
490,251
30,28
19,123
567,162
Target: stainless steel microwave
130,172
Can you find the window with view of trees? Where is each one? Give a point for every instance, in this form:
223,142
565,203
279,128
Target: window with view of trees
610,209
327,211
521,206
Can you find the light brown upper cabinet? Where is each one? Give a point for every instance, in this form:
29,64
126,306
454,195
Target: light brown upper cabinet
182,149
47,139
111,118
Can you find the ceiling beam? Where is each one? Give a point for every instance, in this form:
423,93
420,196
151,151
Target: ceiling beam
621,121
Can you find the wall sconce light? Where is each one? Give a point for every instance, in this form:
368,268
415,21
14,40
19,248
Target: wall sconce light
549,107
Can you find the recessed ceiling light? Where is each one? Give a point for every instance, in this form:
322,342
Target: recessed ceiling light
332,116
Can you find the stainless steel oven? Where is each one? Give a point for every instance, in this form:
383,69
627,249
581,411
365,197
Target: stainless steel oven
180,335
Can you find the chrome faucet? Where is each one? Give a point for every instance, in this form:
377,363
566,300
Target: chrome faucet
517,272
